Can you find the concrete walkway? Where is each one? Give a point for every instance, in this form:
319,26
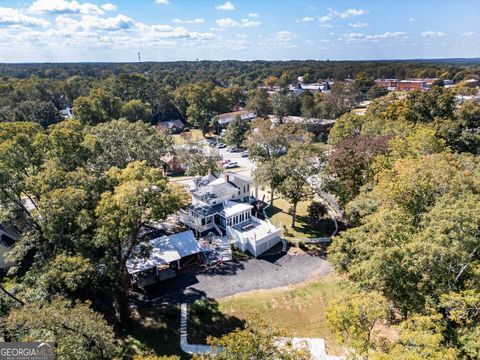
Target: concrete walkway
184,345
315,345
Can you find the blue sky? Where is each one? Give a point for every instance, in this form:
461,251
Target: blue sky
166,30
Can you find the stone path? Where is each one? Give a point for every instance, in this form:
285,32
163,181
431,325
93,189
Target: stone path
315,345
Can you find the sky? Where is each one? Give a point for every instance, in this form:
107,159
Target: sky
170,30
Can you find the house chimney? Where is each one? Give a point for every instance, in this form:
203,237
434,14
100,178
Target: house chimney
226,177
209,172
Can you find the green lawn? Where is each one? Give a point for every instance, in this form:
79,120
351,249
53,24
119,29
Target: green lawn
193,134
156,329
280,217
298,310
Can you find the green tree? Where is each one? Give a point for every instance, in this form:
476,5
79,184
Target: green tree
138,195
376,91
421,337
256,342
266,144
284,104
353,320
196,160
99,106
259,101
300,163
135,110
237,132
78,331
119,142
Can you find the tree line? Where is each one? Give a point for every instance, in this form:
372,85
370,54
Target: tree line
407,175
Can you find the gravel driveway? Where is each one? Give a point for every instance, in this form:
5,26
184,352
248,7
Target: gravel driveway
236,277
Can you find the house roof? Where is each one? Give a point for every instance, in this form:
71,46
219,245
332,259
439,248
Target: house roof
217,186
185,243
162,252
170,124
233,114
165,250
231,208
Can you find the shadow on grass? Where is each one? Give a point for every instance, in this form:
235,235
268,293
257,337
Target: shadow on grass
205,319
273,210
155,329
320,228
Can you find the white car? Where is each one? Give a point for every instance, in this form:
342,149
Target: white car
230,165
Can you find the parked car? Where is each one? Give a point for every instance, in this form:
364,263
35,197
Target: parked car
234,150
225,161
245,154
230,165
221,146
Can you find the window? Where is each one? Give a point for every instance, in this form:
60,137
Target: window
248,187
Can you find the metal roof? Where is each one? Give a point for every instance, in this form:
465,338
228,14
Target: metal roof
165,250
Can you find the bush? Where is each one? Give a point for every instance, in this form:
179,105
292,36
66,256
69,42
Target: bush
316,211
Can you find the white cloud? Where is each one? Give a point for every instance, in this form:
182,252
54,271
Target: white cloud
162,2
433,34
468,34
189,21
411,19
229,22
387,35
12,17
306,19
285,35
64,7
360,37
254,15
347,13
89,22
358,25
227,6
324,19
109,7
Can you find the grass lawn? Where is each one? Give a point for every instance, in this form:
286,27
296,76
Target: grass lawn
193,134
280,217
205,319
298,310
156,329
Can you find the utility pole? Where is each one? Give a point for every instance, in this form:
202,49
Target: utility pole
139,58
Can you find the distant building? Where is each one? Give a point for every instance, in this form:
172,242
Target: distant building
409,85
224,119
173,165
313,88
390,84
173,126
67,113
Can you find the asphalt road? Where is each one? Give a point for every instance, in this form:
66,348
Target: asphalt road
236,277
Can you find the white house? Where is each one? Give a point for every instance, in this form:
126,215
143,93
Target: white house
221,203
246,115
